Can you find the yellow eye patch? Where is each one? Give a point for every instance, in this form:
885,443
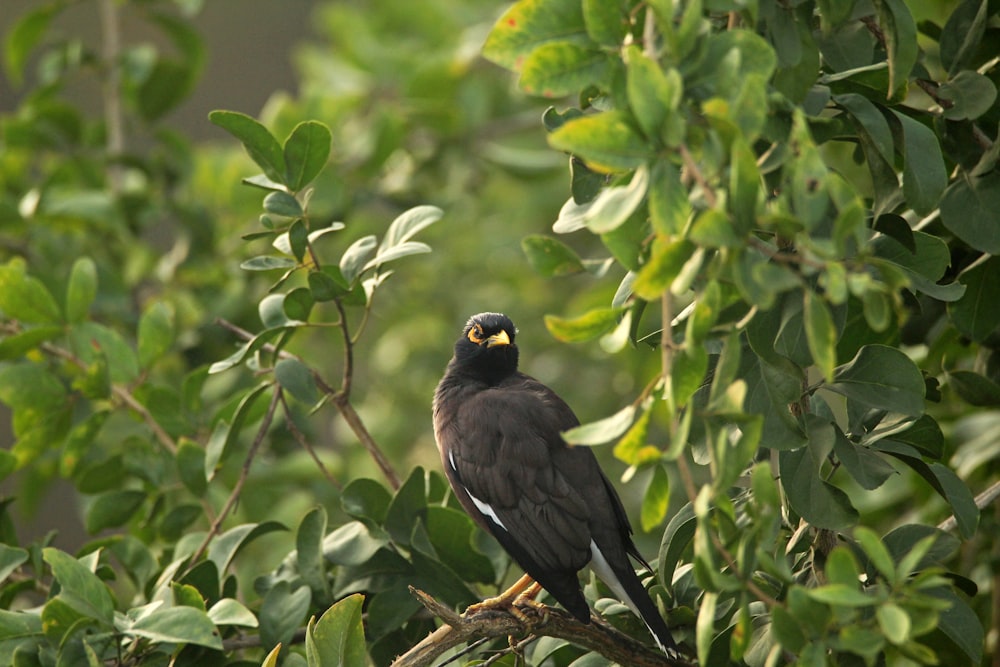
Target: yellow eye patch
476,334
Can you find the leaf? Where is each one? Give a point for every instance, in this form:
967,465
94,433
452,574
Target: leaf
408,503
30,386
408,224
550,257
338,638
556,69
821,334
971,95
530,24
975,389
224,548
968,207
977,313
666,260
81,289
605,141
267,263
25,298
11,558
190,461
669,207
309,552
364,498
586,327
297,379
23,36
841,595
352,544
656,500
900,39
111,510
17,345
404,249
615,204
818,502
962,34
943,480
452,534
155,334
866,467
178,625
354,259
602,430
653,94
305,153
282,204
605,21
924,175
882,377
259,143
80,588
229,611
961,625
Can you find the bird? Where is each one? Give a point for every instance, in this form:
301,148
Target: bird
548,504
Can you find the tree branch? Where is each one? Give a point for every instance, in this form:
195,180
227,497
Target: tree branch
983,500
596,636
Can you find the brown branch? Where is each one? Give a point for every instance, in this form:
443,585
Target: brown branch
123,395
356,424
983,500
695,172
258,440
595,636
305,444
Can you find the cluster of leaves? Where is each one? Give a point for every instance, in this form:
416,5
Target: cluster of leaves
715,151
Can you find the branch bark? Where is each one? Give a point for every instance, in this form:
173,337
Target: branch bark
492,623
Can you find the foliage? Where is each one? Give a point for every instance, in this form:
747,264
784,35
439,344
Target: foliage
778,231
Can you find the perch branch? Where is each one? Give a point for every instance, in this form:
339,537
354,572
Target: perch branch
492,623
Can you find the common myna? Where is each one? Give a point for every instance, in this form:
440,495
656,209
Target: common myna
547,503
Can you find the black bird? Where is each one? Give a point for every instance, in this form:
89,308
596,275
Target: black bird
547,503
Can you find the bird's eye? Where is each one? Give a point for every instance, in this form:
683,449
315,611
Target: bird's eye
476,334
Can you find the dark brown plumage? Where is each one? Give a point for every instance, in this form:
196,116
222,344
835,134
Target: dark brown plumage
549,505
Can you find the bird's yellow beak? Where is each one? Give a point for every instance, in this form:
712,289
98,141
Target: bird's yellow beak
498,339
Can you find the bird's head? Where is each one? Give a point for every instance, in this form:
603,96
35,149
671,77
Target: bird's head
486,346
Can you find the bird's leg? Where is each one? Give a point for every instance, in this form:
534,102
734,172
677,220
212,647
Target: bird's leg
521,593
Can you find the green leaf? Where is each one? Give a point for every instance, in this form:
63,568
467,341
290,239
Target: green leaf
962,34
530,24
924,175
556,69
296,378
178,625
615,204
961,625
338,638
866,467
365,498
156,333
602,430
259,143
267,263
744,185
398,251
17,345
353,544
354,259
606,23
669,207
30,386
971,95
81,289
656,500
111,510
977,313
653,94
968,207
818,502
975,389
841,595
23,36
877,552
408,503
821,334
80,588
900,32
665,263
586,327
25,298
550,257
882,377
305,153
408,224
894,622
11,558
224,548
606,141
229,611
309,552
298,303
452,536
282,204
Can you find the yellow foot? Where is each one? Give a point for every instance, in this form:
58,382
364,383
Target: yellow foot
521,594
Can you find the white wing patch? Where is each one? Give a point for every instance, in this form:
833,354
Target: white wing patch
486,509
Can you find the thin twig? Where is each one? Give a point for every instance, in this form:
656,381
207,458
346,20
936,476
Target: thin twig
111,90
305,444
234,496
695,172
983,500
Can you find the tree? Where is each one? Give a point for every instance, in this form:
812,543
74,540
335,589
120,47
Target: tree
777,231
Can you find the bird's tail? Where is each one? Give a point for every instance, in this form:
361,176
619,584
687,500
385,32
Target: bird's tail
627,586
